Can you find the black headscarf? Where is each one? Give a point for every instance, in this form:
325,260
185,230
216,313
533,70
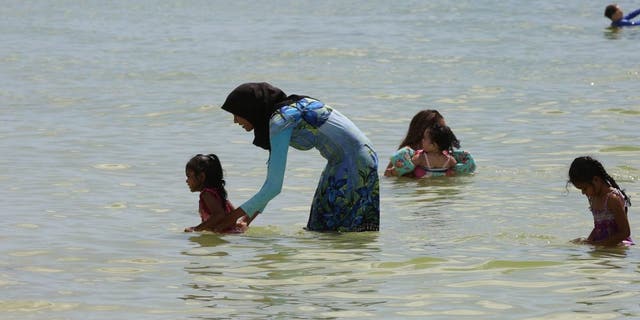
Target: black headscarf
256,102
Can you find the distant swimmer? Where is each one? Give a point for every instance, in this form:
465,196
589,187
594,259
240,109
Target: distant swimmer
618,19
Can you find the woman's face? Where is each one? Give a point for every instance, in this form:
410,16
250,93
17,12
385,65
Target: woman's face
243,122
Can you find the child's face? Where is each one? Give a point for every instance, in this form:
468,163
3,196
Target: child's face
194,181
591,189
586,188
427,144
617,15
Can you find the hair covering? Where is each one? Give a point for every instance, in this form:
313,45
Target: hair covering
256,102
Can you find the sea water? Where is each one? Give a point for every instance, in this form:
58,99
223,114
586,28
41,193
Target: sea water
102,104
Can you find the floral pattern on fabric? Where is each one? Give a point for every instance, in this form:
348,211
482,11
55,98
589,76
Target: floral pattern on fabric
347,197
401,161
305,116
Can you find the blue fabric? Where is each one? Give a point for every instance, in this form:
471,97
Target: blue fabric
626,21
275,174
347,197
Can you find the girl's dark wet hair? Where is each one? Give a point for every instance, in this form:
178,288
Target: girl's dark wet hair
419,123
443,137
210,165
610,10
584,169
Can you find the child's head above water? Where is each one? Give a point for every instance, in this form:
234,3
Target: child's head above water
586,172
613,12
420,122
205,171
585,169
439,138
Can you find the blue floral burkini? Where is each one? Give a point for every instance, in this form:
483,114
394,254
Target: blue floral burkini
347,196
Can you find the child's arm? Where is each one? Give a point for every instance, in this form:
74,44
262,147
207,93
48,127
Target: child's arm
419,158
632,14
401,163
389,171
588,240
616,206
216,209
275,174
451,161
271,187
591,235
389,165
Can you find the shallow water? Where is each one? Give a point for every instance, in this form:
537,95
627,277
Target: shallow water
103,104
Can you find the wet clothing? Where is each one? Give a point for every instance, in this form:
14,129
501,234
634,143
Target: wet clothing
626,21
205,212
604,221
347,195
428,170
402,164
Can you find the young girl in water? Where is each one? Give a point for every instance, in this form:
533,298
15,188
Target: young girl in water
607,202
420,122
204,174
434,158
437,145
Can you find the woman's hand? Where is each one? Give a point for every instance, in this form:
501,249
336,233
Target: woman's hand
235,219
231,220
245,220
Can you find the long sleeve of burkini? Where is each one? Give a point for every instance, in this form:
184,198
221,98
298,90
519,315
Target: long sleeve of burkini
632,14
275,174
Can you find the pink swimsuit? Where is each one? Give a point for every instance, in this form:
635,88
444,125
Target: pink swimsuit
604,221
205,212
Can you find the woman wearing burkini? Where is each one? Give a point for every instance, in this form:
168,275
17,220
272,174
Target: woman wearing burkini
347,196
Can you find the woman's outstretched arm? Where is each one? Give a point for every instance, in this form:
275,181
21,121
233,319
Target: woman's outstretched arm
272,185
